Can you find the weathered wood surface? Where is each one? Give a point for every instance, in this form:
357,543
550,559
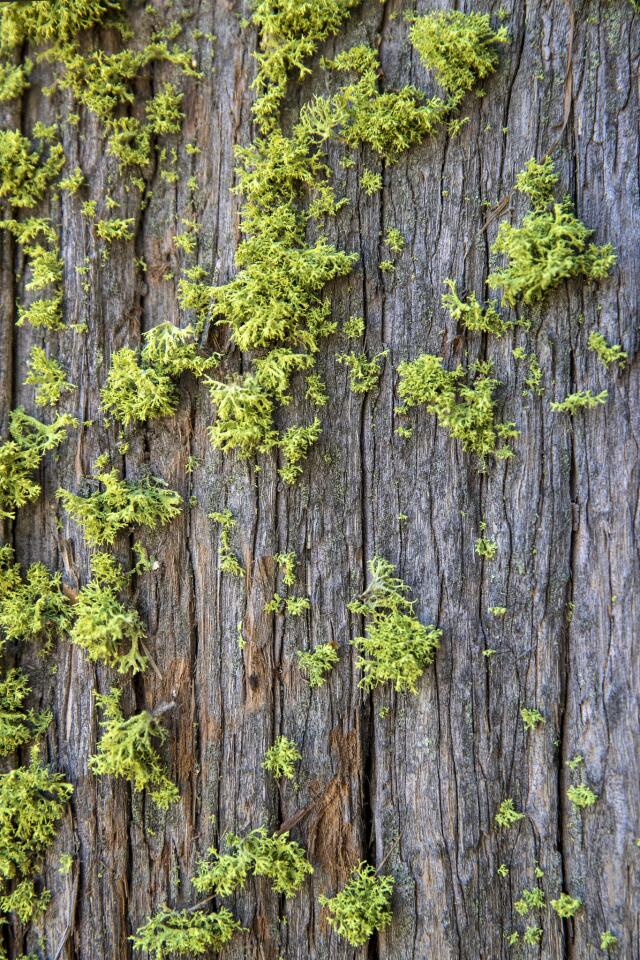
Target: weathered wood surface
420,780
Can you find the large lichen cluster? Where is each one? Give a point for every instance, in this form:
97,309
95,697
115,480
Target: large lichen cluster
185,933
33,607
281,861
32,801
103,624
127,749
362,907
122,504
396,648
460,48
550,244
21,454
466,408
26,174
142,388
18,725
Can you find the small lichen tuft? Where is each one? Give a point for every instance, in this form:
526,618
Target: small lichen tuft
566,906
507,814
580,400
48,377
280,759
316,664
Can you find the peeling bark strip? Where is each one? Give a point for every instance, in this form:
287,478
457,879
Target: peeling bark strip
410,783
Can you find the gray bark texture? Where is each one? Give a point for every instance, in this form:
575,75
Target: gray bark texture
416,779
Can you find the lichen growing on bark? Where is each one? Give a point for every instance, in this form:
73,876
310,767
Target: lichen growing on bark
396,648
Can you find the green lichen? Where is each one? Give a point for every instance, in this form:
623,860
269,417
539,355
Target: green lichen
164,111
531,718
103,623
244,420
40,246
49,20
277,858
549,246
608,353
354,328
532,935
580,400
275,299
116,228
275,302
316,664
126,749
18,726
295,444
280,759
73,182
533,380
48,377
566,906
105,82
316,390
497,611
362,907
397,647
141,389
290,32
532,899
228,561
134,392
471,314
607,940
32,801
21,455
25,174
486,547
460,48
371,182
364,374
466,410
65,864
185,933
287,563
33,609
394,240
581,796
14,80
122,504
507,815
391,122
294,606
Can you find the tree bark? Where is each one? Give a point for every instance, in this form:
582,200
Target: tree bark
413,778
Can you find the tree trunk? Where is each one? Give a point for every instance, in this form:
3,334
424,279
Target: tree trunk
411,780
